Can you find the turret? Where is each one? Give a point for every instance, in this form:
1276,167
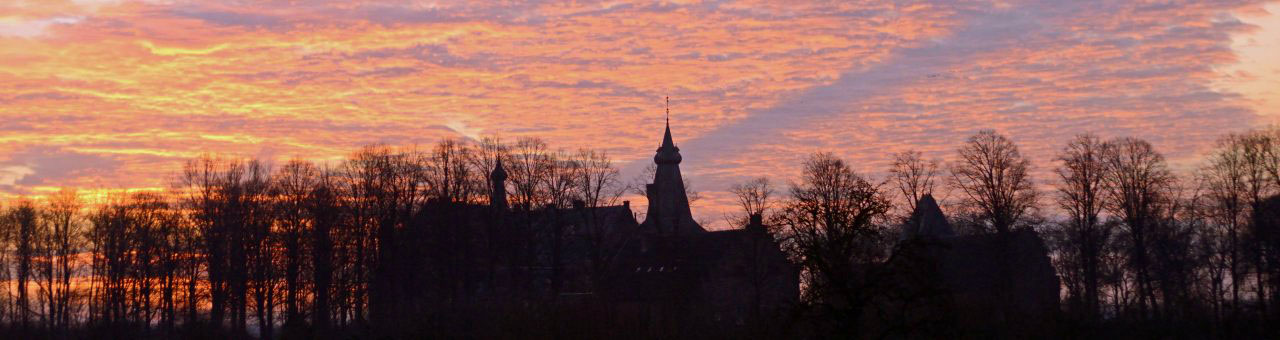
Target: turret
669,211
498,197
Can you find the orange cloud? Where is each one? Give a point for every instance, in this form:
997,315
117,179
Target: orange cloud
755,85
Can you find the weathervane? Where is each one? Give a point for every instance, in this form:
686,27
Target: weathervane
668,110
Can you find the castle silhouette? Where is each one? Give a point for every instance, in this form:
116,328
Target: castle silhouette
667,271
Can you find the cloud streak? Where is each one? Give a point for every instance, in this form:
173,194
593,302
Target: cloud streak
141,85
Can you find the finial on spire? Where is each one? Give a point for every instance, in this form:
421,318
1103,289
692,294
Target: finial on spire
668,153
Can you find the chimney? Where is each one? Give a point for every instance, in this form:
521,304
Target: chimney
755,222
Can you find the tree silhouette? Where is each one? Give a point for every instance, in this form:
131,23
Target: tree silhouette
830,220
994,180
1081,195
913,176
415,242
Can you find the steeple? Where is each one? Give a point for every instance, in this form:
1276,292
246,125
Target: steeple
668,153
498,197
669,211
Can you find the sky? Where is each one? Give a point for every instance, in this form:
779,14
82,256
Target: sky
112,94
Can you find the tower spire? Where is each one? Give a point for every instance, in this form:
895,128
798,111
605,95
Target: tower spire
668,203
667,151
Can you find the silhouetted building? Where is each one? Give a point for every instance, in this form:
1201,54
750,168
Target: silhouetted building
674,272
927,221
665,273
977,282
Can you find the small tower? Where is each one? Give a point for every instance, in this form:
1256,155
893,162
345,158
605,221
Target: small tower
498,197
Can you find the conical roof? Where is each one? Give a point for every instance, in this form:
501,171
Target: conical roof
668,153
668,204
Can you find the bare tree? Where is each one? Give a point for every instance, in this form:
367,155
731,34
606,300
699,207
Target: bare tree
913,176
323,206
146,218
25,218
6,244
109,239
172,252
560,182
754,198
994,178
385,188
203,183
596,184
295,183
1238,180
65,236
1256,153
830,220
530,163
449,173
1137,182
226,200
1271,153
1081,195
487,153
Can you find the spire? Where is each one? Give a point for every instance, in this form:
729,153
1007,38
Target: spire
668,204
668,153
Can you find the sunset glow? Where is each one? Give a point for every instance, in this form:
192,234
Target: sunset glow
106,94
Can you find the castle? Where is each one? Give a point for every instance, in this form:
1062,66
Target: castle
665,272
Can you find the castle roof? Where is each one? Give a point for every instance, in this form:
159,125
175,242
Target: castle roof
927,221
668,203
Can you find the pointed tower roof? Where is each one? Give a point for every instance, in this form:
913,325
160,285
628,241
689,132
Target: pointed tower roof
668,203
499,173
668,153
498,195
927,221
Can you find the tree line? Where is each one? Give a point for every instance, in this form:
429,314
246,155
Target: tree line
405,242
1139,249
237,249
